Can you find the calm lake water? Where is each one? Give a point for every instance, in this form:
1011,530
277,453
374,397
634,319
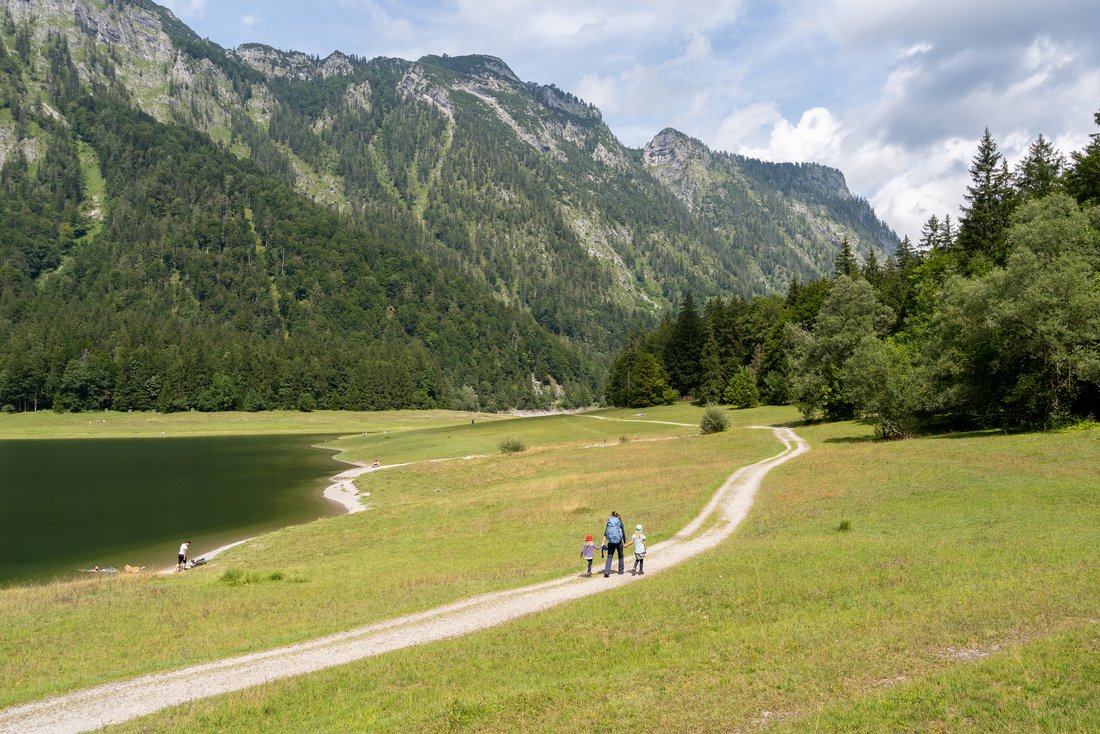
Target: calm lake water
68,504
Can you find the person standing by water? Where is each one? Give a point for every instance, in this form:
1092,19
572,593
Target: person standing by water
615,534
182,558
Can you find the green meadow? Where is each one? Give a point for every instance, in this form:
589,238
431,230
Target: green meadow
936,584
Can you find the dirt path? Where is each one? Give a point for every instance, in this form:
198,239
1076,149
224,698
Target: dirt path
112,703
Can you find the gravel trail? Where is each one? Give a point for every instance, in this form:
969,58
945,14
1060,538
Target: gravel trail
111,703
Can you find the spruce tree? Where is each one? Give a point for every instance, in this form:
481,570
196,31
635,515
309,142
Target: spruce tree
845,262
989,200
712,380
684,350
1083,176
930,234
1039,174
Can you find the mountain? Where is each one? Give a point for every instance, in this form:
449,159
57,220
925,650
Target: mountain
189,226
787,217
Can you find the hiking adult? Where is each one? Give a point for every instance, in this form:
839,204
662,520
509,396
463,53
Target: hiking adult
615,535
181,558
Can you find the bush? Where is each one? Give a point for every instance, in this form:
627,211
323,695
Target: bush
512,446
741,391
714,420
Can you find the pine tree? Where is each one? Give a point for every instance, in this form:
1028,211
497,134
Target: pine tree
1083,176
845,262
712,380
1040,172
684,349
904,257
871,270
930,234
948,234
990,200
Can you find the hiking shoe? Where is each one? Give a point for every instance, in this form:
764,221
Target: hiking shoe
606,575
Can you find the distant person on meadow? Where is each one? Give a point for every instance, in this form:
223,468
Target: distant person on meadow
182,557
588,552
615,534
638,541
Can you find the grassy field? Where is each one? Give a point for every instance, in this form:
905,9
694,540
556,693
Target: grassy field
47,424
436,531
938,584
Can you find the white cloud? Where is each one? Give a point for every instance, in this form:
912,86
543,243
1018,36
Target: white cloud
817,137
250,21
602,91
187,9
746,128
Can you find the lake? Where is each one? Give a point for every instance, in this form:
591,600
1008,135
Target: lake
66,504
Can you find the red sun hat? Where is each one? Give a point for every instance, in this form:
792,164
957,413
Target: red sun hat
588,537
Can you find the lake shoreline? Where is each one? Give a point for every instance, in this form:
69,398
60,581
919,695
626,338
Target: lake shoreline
341,490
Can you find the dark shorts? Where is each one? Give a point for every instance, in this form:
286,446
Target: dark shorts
182,558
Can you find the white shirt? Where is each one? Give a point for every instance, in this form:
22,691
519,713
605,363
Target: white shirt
183,549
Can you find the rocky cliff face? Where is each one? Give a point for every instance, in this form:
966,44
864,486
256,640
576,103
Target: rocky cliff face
521,181
805,209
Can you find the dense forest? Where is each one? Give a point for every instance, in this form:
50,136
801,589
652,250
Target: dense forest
210,285
990,320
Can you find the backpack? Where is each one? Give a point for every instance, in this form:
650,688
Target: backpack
614,531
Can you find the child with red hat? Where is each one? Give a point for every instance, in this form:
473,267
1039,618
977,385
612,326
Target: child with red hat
588,552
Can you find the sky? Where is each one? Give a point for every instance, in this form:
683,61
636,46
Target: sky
894,93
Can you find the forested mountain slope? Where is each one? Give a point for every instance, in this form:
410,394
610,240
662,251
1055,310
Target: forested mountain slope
189,227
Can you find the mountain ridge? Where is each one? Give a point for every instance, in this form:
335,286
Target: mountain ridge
518,188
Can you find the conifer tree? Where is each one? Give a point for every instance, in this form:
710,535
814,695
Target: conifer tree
712,379
1039,174
930,234
845,262
684,349
990,200
1083,176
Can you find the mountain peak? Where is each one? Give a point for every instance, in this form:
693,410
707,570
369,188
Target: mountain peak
670,146
473,65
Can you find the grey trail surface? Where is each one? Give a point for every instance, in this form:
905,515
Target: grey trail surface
112,703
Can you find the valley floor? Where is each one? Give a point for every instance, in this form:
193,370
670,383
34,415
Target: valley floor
117,702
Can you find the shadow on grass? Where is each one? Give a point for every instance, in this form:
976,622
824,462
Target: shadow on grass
937,431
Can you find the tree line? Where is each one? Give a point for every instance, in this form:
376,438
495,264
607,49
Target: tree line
990,320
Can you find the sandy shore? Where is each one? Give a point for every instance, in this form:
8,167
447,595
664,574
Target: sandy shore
342,490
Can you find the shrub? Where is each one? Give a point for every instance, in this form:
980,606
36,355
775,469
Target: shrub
714,420
232,576
512,446
236,577
741,392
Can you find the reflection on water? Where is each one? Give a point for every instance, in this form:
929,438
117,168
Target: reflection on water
67,504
